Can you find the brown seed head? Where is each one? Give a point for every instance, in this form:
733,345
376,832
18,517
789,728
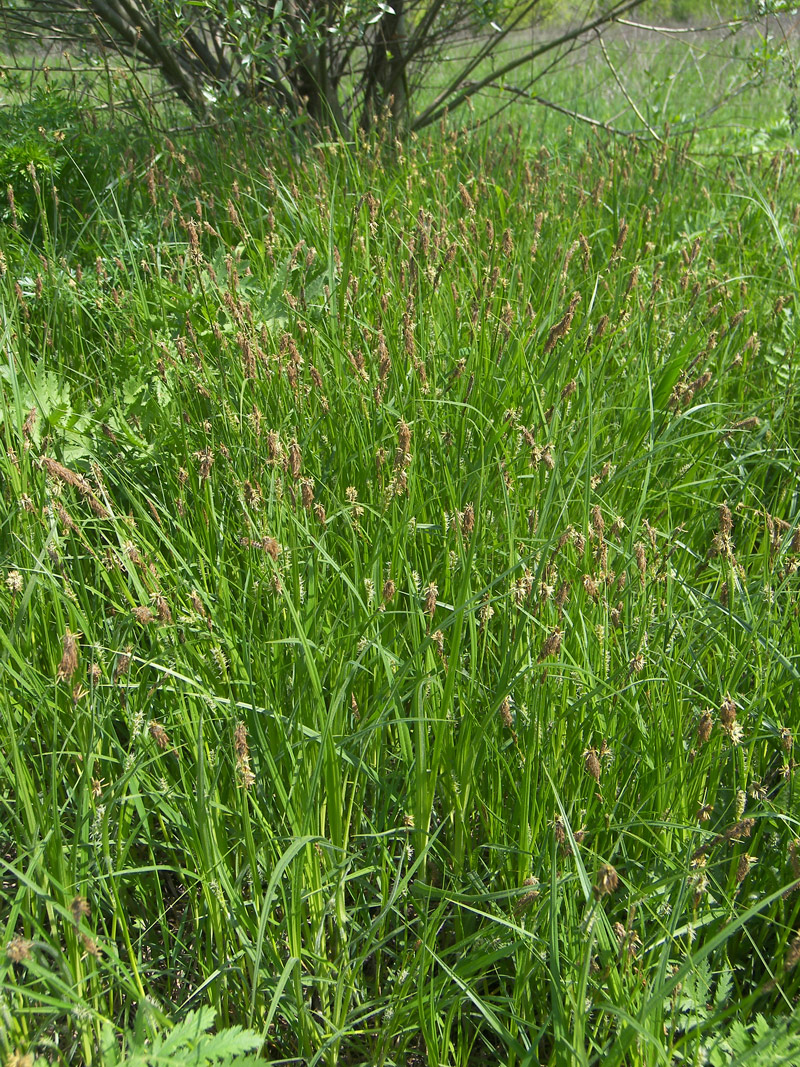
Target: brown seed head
505,714
636,665
30,422
159,734
242,750
384,359
592,764
389,589
622,234
552,645
468,520
295,459
598,523
607,881
271,546
562,327
240,741
274,447
162,610
91,945
438,639
18,949
62,474
66,518
704,727
743,868
640,553
80,909
725,520
562,595
403,436
739,830
525,901
409,345
727,712
431,593
205,459
197,603
69,658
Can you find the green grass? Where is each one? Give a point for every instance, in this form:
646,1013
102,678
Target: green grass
401,606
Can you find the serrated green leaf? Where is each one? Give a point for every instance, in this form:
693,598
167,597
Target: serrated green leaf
724,985
191,1030
225,1044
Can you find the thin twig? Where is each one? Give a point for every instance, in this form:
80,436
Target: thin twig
534,98
443,103
623,90
683,29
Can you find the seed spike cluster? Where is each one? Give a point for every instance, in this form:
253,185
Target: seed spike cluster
69,658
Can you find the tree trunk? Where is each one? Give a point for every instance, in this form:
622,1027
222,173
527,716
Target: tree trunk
386,72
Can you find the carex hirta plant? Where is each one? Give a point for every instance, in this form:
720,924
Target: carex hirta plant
399,607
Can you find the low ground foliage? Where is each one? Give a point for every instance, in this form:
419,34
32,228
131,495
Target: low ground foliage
399,615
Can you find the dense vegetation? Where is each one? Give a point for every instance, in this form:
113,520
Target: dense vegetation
399,607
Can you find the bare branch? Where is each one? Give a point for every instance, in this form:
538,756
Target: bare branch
443,103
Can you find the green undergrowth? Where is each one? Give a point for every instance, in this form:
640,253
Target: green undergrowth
399,617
